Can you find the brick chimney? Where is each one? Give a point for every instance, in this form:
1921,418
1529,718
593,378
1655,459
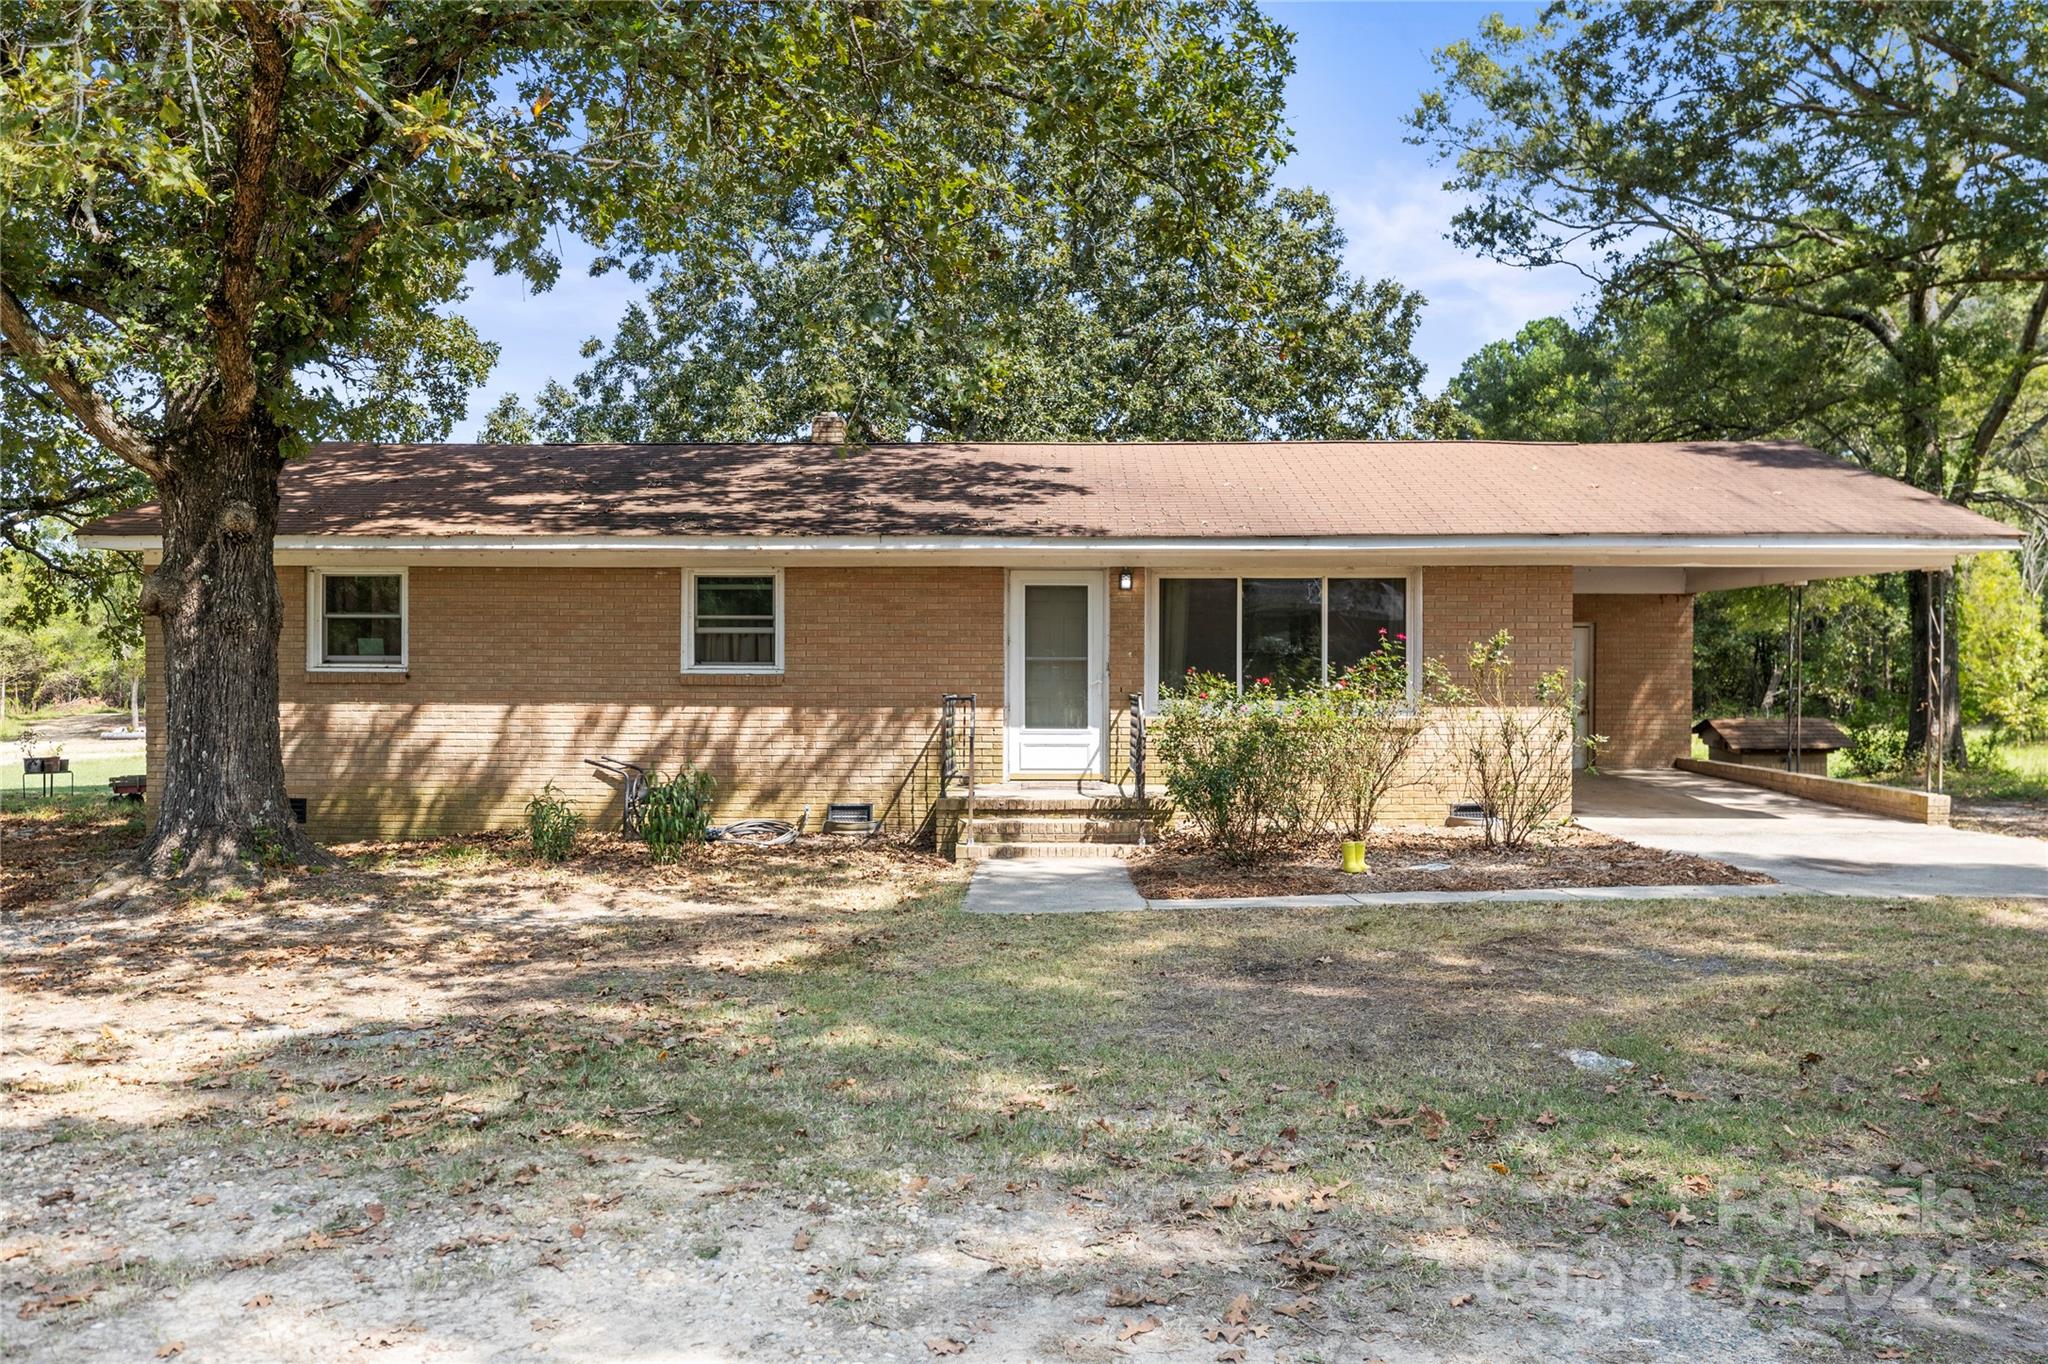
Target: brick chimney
828,428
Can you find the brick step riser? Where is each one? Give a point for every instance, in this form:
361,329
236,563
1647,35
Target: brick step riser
1066,809
976,852
1056,830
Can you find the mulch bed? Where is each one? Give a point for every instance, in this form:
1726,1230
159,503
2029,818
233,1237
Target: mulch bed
1179,868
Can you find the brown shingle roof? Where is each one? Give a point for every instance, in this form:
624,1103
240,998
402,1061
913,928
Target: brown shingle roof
1750,735
1182,490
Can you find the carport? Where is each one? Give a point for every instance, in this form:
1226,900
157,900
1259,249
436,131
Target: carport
1805,844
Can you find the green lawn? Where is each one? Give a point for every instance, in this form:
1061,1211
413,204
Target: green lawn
88,778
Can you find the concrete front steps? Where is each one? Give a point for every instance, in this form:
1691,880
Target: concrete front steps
1053,820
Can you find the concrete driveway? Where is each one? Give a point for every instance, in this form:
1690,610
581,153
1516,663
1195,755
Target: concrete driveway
1805,844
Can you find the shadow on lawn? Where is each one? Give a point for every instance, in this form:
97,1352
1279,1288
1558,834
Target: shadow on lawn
832,1016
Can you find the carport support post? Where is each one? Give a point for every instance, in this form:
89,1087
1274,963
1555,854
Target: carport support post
1935,749
1795,675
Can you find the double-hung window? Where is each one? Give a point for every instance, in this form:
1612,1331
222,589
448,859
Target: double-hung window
356,622
732,622
1288,632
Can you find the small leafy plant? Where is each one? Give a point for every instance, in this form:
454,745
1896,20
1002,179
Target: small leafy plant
1517,744
552,824
1875,750
1369,731
676,812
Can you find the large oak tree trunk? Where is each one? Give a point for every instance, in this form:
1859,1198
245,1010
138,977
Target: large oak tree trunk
1919,586
222,805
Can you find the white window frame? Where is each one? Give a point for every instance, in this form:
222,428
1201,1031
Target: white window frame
1411,576
316,622
689,662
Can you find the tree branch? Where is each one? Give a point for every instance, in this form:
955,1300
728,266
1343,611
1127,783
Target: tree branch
232,310
1973,62
2008,393
29,346
56,504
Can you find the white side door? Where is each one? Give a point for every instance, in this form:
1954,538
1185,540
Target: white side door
1055,694
1582,684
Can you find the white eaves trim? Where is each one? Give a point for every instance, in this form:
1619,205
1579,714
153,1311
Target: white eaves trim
1525,548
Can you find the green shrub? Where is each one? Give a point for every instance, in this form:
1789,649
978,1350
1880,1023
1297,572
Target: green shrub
1875,750
1362,731
1252,769
551,825
1985,752
1233,762
676,812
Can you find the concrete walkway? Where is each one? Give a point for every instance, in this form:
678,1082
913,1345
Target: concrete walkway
1051,885
1804,844
1088,885
1807,847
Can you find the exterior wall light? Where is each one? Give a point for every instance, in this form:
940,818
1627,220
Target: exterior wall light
1123,580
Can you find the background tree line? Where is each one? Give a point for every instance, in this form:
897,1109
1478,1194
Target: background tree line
235,229
1669,372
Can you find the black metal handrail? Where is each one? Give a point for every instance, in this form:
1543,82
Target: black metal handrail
912,806
957,712
1138,763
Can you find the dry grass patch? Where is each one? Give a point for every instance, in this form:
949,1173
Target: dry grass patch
699,1097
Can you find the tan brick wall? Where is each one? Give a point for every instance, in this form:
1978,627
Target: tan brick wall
1893,802
517,674
1461,606
1642,676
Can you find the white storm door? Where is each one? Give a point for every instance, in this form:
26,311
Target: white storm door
1054,701
1582,685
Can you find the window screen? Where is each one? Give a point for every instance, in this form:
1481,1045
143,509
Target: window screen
734,622
1197,628
362,617
1292,632
1360,610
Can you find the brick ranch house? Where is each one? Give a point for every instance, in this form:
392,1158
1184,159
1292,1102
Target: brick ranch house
464,623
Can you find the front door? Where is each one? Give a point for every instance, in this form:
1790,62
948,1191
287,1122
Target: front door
1055,691
1582,685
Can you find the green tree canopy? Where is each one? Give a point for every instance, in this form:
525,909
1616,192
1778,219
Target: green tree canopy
236,225
1693,368
2004,649
1860,182
1119,341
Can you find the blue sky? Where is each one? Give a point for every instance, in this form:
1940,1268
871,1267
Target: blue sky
1358,70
